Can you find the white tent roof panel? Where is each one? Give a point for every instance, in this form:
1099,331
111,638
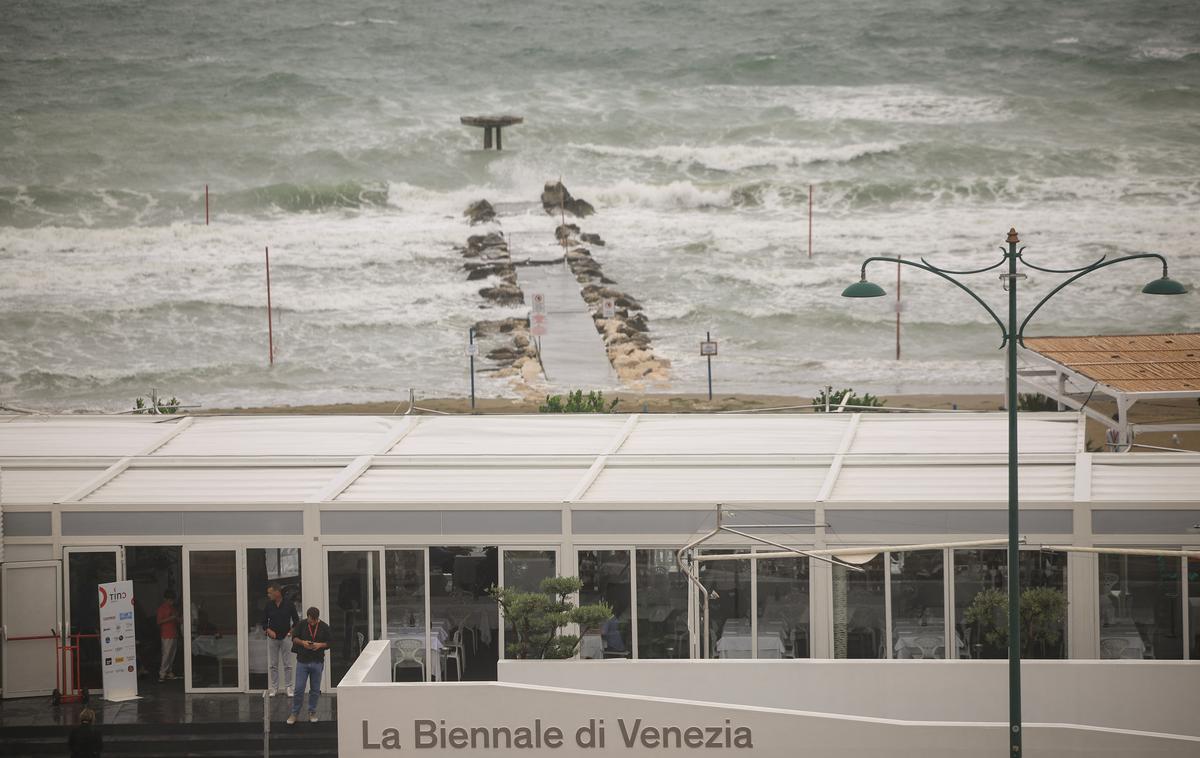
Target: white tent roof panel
58,436
510,483
952,483
290,484
281,435
1154,482
963,434
42,485
707,483
568,434
735,435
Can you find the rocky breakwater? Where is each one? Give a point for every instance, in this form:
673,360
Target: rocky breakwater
626,332
505,342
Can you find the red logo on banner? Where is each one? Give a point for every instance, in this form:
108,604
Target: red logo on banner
103,596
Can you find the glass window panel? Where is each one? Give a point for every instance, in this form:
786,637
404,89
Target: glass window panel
1141,607
524,570
662,605
858,611
987,569
1193,572
459,578
729,612
918,604
213,597
405,590
86,570
605,575
354,612
264,566
153,570
783,606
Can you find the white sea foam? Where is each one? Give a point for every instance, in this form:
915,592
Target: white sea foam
733,158
1166,53
889,103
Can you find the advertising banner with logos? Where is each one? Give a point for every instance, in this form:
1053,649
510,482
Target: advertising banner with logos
118,646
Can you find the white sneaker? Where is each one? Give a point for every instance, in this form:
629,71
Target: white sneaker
272,692
312,717
292,719
290,693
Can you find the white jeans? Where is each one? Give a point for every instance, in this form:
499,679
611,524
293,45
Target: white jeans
280,649
170,645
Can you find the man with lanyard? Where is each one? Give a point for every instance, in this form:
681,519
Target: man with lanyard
310,639
279,617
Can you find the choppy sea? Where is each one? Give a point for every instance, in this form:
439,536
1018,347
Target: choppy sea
329,132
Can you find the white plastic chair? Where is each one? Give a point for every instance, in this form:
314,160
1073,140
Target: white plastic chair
1113,647
412,653
454,649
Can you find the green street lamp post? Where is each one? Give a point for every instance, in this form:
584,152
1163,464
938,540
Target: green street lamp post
1011,335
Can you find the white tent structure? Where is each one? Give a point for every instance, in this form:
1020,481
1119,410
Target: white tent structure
392,525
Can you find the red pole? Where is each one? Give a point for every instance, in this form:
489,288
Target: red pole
270,326
206,205
897,307
810,187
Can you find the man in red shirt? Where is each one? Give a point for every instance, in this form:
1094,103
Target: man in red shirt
168,632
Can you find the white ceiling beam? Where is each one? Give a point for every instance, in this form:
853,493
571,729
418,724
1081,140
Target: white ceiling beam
96,482
173,432
338,484
835,468
589,477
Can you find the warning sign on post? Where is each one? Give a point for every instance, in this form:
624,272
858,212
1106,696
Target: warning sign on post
537,316
609,307
708,347
118,645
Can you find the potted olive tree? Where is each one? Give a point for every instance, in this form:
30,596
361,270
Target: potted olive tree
536,620
1043,610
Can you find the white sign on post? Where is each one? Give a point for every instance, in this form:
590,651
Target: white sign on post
118,645
472,349
708,347
537,318
609,307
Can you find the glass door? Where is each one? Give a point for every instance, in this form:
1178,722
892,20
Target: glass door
85,568
212,612
459,578
418,650
272,582
524,570
353,580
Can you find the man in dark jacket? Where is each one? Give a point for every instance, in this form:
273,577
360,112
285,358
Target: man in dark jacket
310,639
279,618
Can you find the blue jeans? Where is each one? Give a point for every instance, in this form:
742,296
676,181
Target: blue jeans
311,673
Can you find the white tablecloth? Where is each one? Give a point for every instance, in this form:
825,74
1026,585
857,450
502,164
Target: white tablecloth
735,639
1133,646
907,636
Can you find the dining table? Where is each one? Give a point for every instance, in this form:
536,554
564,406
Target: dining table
736,639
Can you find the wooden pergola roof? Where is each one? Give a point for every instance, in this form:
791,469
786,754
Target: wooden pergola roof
1131,362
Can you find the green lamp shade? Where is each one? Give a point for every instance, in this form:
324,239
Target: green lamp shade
864,289
1163,286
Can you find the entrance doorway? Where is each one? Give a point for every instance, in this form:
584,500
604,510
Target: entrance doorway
213,608
85,568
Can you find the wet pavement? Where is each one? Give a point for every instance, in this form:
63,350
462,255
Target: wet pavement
160,703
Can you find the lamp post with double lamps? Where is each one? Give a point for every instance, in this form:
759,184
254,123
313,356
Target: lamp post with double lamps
1011,334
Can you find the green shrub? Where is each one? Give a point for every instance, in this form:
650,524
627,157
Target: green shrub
1043,610
835,399
1035,401
142,405
538,618
575,402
